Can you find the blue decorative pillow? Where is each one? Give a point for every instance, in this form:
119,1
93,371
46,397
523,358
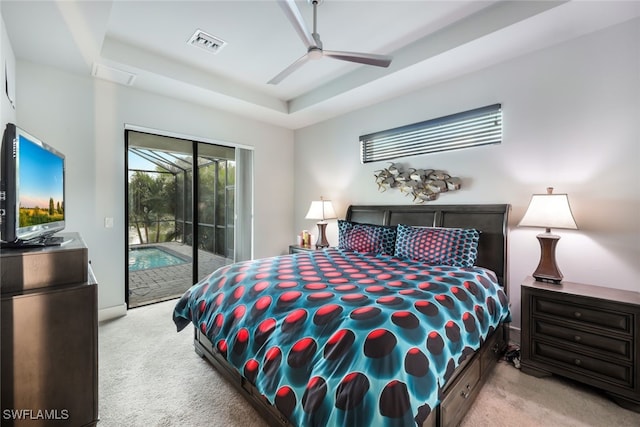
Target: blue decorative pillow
457,247
360,237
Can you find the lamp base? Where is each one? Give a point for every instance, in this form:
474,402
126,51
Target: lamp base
548,270
322,241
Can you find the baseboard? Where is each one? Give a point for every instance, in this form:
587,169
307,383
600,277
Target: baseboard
112,312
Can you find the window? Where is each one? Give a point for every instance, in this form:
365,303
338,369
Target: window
473,128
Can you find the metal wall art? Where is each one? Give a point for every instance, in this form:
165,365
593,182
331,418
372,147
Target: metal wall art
423,184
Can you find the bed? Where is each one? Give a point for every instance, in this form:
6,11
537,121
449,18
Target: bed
399,325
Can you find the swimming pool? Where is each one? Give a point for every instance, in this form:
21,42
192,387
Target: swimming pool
153,257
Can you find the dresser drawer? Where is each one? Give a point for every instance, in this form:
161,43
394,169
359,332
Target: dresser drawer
583,365
455,405
597,316
607,345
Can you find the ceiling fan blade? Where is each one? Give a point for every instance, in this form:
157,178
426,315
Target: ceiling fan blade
361,58
293,15
314,45
290,69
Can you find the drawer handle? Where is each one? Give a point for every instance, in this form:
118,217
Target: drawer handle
577,338
465,393
577,362
577,315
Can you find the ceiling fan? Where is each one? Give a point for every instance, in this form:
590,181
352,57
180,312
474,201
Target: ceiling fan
314,44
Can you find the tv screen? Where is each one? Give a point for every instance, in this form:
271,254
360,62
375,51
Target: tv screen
33,189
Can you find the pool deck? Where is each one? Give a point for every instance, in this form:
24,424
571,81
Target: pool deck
163,283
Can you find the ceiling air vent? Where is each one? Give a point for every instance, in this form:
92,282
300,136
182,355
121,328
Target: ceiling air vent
206,41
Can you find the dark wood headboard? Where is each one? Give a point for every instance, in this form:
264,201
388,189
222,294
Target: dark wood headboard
490,220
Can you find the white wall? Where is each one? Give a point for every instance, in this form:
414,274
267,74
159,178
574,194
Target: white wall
85,118
571,121
8,65
570,117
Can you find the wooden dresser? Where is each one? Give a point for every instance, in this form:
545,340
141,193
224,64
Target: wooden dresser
590,334
49,336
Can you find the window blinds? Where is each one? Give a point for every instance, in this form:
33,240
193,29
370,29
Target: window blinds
472,128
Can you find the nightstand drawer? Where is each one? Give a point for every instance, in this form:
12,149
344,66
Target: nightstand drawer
584,365
617,321
606,344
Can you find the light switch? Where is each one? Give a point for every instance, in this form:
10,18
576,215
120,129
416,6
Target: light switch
108,222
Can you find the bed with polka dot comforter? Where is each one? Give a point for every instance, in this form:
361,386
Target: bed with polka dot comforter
342,338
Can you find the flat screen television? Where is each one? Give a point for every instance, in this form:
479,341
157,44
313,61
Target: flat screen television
32,190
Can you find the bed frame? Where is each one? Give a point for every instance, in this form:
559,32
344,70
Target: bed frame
463,386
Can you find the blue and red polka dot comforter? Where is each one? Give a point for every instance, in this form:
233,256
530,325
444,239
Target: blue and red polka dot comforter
341,338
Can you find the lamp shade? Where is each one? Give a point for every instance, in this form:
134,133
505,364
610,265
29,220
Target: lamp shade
548,211
322,210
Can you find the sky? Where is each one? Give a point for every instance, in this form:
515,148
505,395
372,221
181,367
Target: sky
137,162
40,174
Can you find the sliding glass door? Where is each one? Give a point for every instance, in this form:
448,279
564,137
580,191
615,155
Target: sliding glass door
215,206
181,214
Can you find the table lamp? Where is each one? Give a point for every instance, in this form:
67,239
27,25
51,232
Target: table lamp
322,210
548,211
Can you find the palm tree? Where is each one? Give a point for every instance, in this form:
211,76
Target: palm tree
163,201
151,200
139,195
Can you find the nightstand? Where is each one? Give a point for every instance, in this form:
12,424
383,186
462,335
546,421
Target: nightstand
590,334
297,248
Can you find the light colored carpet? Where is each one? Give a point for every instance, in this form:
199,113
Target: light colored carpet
149,375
